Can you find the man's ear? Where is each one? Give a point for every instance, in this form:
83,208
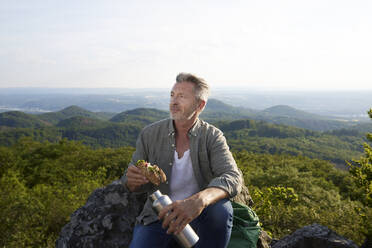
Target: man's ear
202,104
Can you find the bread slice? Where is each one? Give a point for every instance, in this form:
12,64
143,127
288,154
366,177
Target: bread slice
152,172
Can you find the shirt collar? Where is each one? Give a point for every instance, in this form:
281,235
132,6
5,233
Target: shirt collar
193,130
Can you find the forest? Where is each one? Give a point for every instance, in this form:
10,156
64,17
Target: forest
99,130
48,171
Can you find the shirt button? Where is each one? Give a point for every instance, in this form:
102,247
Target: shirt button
170,163
173,145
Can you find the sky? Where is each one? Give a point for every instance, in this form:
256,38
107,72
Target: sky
267,44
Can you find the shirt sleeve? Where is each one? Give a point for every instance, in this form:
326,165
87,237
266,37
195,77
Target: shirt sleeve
227,176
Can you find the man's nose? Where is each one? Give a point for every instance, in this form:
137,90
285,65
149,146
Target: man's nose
174,100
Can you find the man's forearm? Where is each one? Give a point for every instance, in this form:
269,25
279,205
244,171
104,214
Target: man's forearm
211,195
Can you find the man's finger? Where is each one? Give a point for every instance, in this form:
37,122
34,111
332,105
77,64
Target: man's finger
176,225
133,169
138,181
181,227
172,226
165,210
136,176
171,216
135,173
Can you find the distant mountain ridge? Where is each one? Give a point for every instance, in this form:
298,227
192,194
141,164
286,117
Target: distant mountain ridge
288,111
80,122
20,119
257,136
71,111
215,111
142,115
350,105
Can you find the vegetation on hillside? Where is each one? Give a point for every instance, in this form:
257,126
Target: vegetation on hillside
141,116
47,175
291,192
41,184
361,171
215,110
263,137
255,136
20,119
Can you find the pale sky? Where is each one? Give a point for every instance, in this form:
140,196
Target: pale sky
273,44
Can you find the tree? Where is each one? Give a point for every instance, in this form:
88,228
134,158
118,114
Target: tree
361,170
41,184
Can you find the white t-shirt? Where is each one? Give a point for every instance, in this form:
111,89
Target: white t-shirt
183,183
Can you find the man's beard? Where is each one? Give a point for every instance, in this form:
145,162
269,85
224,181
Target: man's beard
178,116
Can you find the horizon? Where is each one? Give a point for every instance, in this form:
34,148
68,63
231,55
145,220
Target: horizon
333,102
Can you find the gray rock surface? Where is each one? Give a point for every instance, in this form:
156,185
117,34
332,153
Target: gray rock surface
264,240
244,197
108,217
314,236
106,220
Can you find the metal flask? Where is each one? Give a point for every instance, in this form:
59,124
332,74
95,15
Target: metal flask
187,238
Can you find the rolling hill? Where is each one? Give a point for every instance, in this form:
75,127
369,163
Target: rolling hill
257,136
20,119
71,111
215,111
81,122
287,111
143,116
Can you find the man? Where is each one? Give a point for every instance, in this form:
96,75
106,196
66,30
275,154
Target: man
201,172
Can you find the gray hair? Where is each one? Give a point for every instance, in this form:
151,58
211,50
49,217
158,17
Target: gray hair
201,88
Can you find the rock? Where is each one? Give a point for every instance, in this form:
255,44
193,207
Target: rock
108,217
314,236
263,240
106,220
244,197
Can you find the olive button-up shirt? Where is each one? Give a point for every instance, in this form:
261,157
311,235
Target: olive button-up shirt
212,161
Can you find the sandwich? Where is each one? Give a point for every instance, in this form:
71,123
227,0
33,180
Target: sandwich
152,172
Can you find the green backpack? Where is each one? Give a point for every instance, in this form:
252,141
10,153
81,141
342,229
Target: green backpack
246,228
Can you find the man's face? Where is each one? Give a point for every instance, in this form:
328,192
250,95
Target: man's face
183,104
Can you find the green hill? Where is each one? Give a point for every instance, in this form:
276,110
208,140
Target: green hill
141,116
72,111
287,111
311,124
81,122
217,105
260,136
264,137
105,115
217,110
20,119
280,114
286,115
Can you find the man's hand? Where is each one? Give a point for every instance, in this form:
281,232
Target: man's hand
180,213
135,178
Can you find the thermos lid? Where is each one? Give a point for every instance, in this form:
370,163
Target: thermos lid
154,196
